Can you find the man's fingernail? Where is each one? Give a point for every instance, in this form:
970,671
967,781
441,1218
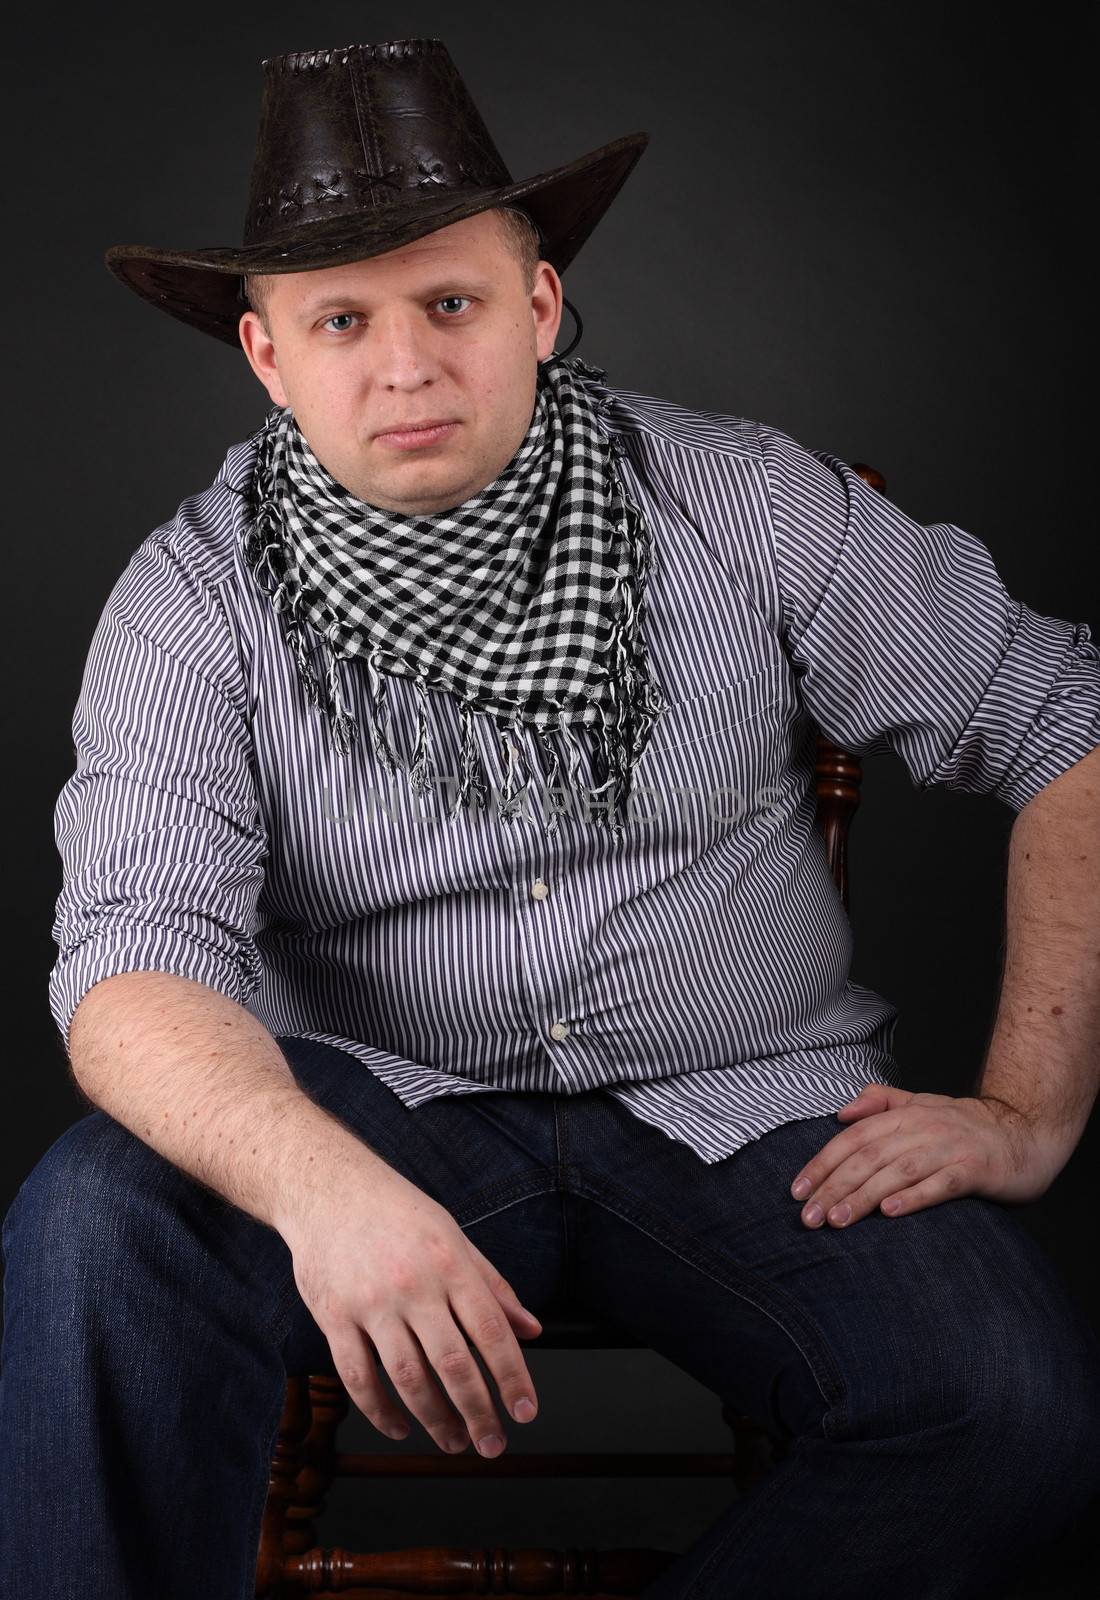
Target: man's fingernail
523,1410
801,1189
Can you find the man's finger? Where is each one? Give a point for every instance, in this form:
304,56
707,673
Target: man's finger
867,1176
946,1184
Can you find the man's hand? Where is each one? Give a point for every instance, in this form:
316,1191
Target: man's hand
390,1277
903,1152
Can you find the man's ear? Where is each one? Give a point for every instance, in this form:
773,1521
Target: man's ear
546,308
260,351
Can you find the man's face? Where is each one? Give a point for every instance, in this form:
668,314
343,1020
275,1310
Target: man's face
442,328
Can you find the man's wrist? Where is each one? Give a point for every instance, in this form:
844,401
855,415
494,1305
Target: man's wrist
323,1163
1036,1143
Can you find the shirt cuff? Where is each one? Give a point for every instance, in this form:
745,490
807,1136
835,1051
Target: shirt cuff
148,949
1051,665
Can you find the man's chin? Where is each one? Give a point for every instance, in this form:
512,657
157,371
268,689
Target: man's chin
401,502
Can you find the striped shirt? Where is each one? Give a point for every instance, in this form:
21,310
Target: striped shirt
697,967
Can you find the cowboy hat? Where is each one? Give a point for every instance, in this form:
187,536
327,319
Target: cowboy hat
360,150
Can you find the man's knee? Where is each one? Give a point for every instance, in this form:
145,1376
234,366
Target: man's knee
1013,1372
68,1217
1036,1406
986,1356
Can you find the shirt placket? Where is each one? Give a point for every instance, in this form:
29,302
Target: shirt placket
550,927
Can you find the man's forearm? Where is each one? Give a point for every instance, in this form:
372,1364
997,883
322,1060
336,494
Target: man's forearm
194,1075
1044,1052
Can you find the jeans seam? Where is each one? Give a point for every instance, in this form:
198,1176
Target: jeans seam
561,1122
500,1196
822,1364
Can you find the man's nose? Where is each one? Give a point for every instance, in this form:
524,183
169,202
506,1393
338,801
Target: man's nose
401,350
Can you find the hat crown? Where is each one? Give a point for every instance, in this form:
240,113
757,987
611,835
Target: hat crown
363,128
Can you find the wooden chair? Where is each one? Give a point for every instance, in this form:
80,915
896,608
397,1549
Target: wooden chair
306,1459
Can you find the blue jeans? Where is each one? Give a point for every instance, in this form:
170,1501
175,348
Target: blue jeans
939,1388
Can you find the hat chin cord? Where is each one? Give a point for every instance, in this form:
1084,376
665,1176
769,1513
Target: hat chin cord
580,326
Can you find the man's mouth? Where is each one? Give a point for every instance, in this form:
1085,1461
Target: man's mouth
417,436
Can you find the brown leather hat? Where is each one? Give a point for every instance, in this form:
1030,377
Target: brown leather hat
362,149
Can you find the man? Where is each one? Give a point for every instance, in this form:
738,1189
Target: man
605,1043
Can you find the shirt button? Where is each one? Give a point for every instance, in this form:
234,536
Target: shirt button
559,1030
539,890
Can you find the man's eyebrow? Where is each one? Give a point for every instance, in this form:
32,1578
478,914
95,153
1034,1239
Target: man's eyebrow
442,286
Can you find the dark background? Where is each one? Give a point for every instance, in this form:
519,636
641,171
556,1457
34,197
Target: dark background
863,224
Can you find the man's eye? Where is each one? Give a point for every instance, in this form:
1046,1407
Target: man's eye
447,300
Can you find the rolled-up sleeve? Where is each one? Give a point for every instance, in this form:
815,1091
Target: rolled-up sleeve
903,637
158,828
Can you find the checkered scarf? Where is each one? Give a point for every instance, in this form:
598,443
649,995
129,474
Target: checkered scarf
525,602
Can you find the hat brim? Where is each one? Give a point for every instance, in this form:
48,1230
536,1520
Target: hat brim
201,286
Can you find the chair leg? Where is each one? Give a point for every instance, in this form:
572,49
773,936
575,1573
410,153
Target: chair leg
282,1488
328,1406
